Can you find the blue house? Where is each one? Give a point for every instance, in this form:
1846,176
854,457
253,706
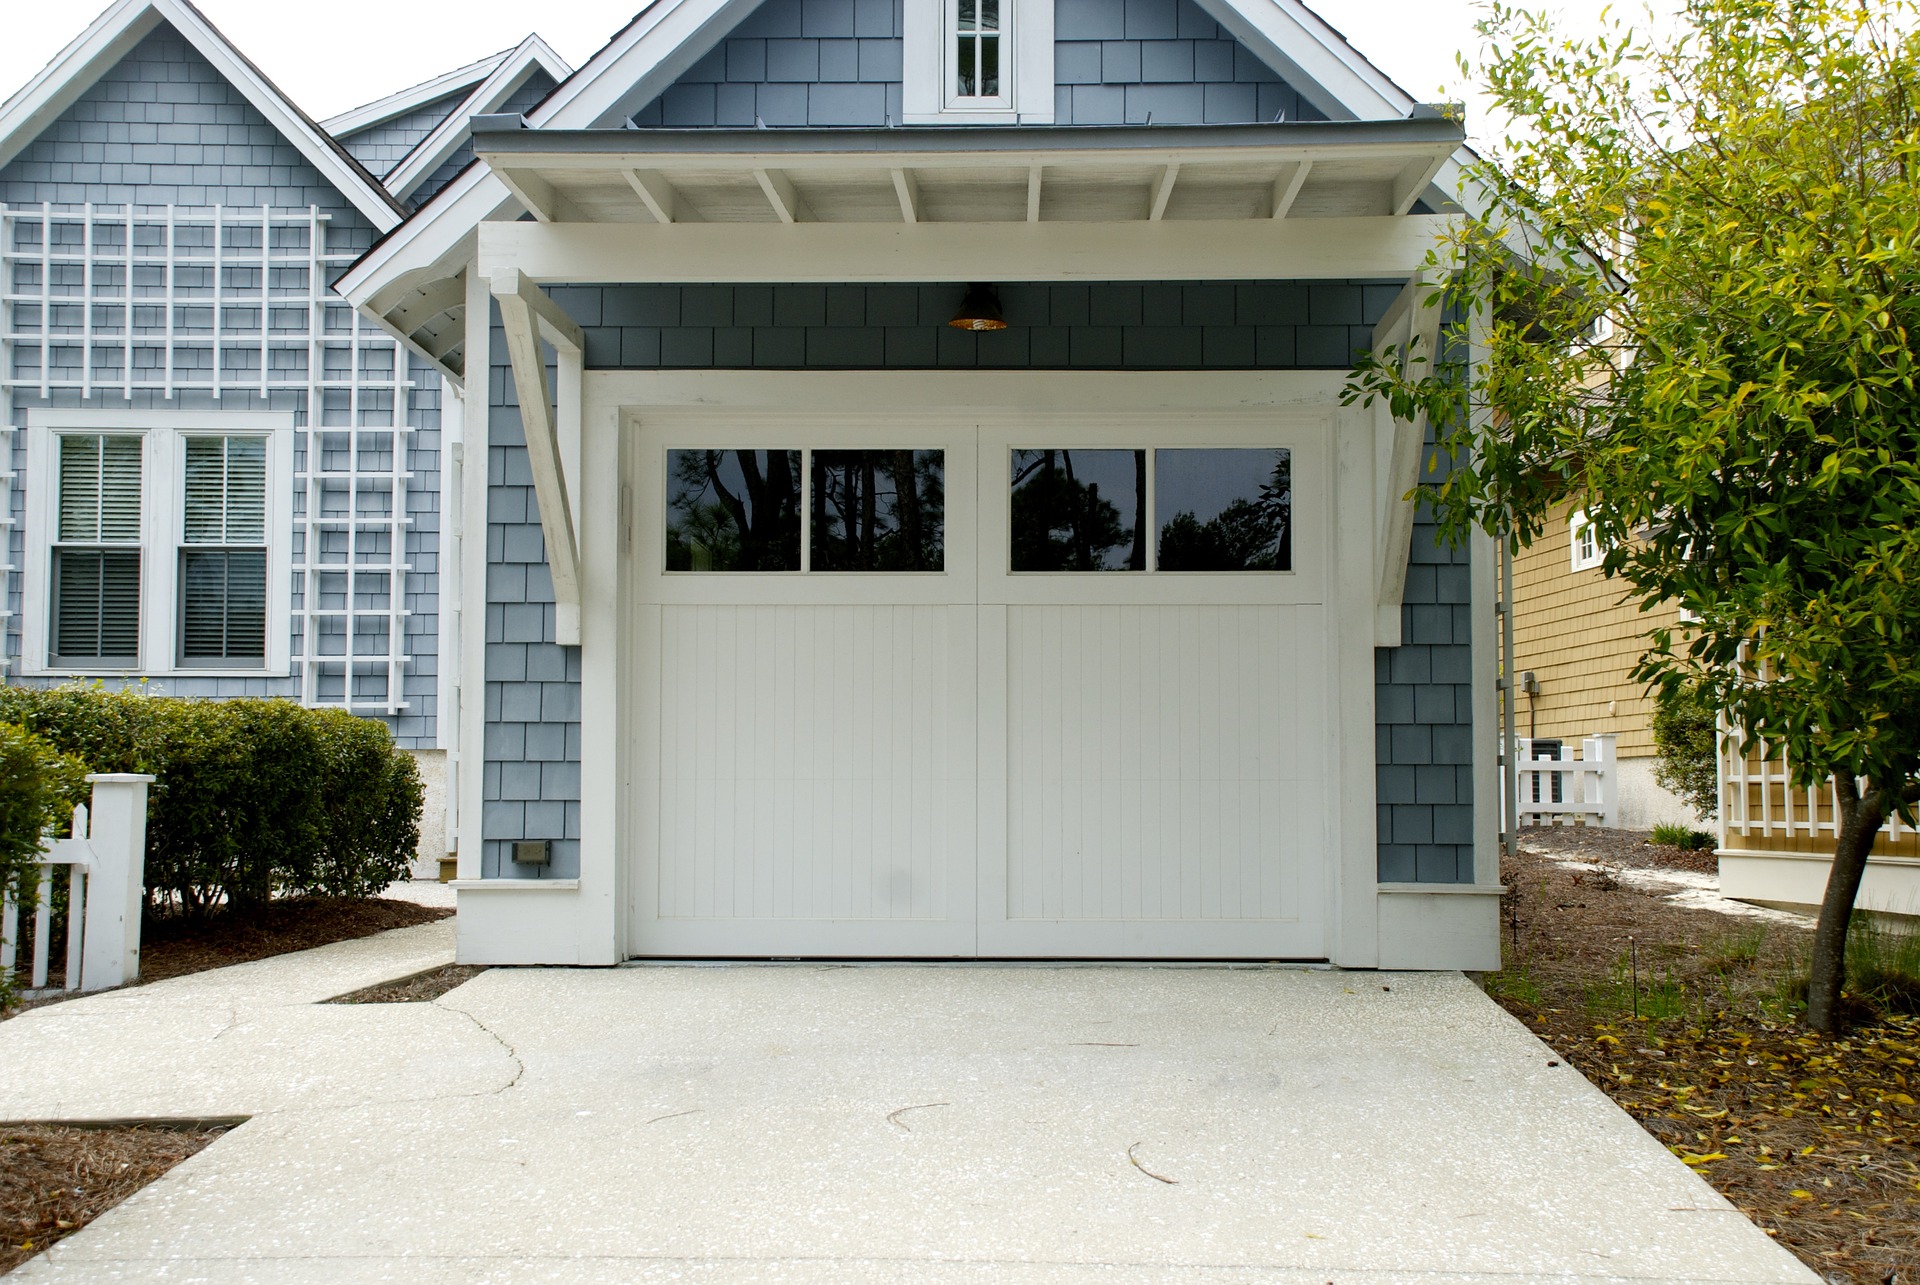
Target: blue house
222,479
889,489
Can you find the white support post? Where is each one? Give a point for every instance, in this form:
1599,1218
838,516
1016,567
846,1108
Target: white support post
118,836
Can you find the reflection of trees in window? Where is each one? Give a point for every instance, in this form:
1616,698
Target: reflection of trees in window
733,510
1063,522
1251,527
879,510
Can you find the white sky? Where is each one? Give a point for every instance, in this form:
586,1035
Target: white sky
359,50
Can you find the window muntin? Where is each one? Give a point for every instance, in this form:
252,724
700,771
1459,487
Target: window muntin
223,551
95,565
1079,510
976,47
1214,509
733,510
860,510
878,510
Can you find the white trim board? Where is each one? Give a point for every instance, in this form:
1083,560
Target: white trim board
1285,249
399,103
76,69
515,67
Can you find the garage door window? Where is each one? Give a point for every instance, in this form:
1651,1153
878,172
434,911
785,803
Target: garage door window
879,510
733,510
863,510
1214,509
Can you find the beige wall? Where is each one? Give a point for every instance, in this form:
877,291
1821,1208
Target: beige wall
1581,642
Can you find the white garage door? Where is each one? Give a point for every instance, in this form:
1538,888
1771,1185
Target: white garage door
922,688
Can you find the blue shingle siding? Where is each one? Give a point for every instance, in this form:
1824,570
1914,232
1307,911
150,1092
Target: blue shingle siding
164,128
838,62
532,686
161,128
523,99
383,146
1121,62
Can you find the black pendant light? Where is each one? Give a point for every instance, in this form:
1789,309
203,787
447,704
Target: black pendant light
980,310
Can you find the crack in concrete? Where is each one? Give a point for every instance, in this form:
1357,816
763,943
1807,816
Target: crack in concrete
513,1054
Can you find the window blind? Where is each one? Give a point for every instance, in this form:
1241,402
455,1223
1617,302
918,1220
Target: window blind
96,585
223,565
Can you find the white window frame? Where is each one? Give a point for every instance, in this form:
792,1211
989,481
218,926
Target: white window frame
1585,546
929,70
162,534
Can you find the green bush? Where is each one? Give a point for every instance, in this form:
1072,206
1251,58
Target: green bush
253,798
1685,732
1683,837
38,788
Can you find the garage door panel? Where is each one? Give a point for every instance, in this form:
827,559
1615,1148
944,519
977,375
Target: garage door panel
1157,766
815,763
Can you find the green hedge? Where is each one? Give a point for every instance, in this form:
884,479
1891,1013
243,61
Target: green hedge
253,798
38,788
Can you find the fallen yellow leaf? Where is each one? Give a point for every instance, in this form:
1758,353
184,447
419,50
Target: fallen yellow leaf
1802,1195
1701,1160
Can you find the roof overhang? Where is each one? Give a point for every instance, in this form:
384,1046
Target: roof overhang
1305,199
512,71
1033,174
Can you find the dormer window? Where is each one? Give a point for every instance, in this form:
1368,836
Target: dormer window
976,45
978,62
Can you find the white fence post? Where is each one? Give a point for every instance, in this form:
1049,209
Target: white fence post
1603,784
116,883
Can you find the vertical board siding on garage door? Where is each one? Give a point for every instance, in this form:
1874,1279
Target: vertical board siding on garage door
1424,755
1169,762
814,762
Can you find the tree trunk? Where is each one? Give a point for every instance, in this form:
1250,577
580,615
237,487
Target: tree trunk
1861,816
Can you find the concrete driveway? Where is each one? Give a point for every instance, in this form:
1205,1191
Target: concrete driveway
850,1124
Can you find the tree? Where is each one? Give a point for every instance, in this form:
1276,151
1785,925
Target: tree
1692,272
1686,738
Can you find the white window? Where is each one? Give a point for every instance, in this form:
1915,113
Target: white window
978,62
159,542
1587,552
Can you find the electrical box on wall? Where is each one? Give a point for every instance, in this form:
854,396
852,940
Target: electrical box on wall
532,852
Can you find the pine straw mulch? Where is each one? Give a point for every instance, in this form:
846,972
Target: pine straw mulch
55,1179
1817,1140
173,946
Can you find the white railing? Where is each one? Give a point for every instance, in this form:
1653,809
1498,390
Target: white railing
1553,789
1758,799
106,874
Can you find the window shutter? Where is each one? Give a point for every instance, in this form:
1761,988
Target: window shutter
96,590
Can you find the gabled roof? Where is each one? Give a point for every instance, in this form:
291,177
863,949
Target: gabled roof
513,69
382,110
668,37
28,114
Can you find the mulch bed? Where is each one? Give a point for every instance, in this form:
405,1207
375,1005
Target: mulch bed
173,946
1687,1019
1628,848
55,1179
417,989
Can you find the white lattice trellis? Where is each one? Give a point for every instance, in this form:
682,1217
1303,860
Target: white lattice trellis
121,302
1759,799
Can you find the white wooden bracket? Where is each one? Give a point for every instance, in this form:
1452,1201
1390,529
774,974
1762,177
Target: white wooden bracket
1411,327
552,427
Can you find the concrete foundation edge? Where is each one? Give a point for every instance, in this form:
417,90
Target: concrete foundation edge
517,921
1424,929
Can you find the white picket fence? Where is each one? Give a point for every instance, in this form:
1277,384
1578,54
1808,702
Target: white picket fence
105,862
1557,790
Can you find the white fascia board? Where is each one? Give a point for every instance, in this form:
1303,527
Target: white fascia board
382,110
81,64
1318,249
1313,58
636,66
531,55
435,243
